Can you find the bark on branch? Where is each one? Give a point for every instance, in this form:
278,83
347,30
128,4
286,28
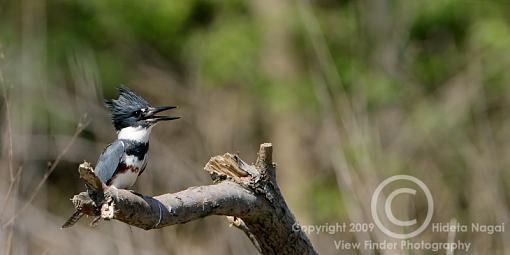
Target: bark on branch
247,194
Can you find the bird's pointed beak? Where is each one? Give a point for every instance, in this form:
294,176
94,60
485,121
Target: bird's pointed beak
151,116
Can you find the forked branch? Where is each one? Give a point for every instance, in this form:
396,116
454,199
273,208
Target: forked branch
247,194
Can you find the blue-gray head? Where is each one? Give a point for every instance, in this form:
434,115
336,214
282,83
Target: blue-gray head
131,110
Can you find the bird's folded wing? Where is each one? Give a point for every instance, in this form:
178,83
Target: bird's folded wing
109,160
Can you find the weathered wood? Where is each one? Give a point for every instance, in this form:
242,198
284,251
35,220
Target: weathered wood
247,194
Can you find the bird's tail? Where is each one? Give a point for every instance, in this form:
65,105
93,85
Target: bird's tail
73,219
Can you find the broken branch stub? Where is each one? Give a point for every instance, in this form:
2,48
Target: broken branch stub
247,193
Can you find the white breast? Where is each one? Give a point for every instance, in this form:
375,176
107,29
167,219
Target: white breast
127,179
138,134
124,180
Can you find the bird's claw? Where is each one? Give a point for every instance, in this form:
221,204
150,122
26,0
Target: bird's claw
95,221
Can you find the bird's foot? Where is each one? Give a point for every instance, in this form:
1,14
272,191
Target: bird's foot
95,221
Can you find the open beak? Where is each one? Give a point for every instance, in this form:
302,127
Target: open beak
151,116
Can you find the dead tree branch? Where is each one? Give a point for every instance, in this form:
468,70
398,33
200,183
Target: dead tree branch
248,194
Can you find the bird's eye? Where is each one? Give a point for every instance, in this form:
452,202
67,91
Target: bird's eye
138,113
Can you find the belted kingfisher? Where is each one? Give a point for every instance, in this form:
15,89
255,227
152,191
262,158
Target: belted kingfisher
125,159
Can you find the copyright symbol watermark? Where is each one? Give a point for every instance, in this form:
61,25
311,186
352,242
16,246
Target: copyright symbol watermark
389,213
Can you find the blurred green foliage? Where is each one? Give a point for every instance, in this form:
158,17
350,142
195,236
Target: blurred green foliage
223,40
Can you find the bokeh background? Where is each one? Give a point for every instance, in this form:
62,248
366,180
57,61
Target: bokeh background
349,93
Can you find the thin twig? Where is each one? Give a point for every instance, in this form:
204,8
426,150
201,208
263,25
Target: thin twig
13,180
239,223
10,153
7,198
9,131
10,229
81,126
8,242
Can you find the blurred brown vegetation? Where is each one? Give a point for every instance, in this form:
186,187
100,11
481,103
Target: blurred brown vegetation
348,92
